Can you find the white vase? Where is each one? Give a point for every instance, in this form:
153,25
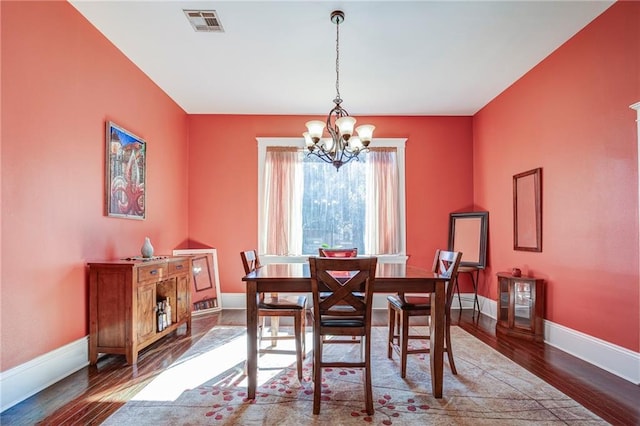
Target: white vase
147,248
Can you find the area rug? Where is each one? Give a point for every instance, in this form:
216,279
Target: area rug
207,385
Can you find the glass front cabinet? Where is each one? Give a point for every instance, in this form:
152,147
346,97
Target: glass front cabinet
520,306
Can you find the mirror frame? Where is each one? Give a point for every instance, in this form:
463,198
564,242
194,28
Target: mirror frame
527,211
455,219
205,284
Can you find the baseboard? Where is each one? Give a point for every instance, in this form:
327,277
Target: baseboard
233,300
615,359
19,383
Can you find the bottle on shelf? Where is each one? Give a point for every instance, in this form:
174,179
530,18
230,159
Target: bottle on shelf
161,317
167,310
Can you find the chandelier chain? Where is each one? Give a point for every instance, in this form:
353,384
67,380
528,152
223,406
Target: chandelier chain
338,99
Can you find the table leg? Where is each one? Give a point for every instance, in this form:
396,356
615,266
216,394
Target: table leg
252,339
436,341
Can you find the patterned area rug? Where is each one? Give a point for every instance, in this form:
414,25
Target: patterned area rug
207,386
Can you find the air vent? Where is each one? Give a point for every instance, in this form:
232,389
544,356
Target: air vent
204,21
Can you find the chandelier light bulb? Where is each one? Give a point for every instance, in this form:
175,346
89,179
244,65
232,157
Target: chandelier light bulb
355,144
315,128
365,133
345,125
328,144
308,141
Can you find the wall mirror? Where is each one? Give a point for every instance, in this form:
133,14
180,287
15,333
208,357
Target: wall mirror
527,211
205,282
468,234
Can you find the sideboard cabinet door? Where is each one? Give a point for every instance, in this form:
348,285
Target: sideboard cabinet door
146,312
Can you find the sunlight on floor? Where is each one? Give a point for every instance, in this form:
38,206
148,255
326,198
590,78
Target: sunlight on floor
223,365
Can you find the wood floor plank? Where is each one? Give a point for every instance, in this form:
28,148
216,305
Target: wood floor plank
92,394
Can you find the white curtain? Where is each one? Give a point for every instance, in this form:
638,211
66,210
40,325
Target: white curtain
282,201
382,213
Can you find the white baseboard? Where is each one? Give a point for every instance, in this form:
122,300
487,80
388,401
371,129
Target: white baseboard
233,300
612,358
19,383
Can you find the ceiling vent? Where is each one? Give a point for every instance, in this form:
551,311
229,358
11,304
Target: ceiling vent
204,21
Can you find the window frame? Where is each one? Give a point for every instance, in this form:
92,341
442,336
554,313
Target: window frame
397,143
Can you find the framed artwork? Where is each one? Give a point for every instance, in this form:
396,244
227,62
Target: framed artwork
527,210
205,292
125,168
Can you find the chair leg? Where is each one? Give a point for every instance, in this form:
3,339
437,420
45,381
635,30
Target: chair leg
262,323
317,371
367,376
297,332
392,329
404,343
303,319
449,349
275,325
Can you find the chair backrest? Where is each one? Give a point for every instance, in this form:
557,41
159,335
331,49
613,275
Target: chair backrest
250,260
446,263
347,252
338,279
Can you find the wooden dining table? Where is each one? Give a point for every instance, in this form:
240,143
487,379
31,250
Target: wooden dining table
390,278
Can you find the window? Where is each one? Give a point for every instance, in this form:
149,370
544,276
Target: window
305,204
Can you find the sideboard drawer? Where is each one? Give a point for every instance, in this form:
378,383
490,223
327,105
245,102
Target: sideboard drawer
153,272
178,267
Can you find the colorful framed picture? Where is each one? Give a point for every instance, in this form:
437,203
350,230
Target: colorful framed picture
126,168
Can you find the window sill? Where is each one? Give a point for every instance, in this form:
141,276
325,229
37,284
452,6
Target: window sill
383,258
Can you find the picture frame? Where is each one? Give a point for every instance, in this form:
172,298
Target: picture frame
205,290
468,234
125,172
527,211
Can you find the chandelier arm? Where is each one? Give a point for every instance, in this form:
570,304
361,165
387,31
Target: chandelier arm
333,115
322,156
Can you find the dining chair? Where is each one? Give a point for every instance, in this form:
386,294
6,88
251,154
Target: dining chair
274,307
403,306
339,252
341,314
347,252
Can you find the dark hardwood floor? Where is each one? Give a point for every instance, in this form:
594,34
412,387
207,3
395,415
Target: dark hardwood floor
92,394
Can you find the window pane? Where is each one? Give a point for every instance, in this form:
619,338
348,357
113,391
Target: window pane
333,205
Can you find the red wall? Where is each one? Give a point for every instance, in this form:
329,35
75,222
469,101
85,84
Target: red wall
61,81
223,199
570,115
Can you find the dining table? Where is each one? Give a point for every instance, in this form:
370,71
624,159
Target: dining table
390,278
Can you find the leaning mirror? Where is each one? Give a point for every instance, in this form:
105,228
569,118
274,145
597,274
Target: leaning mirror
527,211
468,234
205,290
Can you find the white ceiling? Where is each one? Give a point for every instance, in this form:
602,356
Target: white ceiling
396,57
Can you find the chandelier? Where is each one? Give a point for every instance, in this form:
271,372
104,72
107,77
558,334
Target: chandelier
342,146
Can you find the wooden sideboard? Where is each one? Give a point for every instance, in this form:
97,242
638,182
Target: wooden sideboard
122,303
